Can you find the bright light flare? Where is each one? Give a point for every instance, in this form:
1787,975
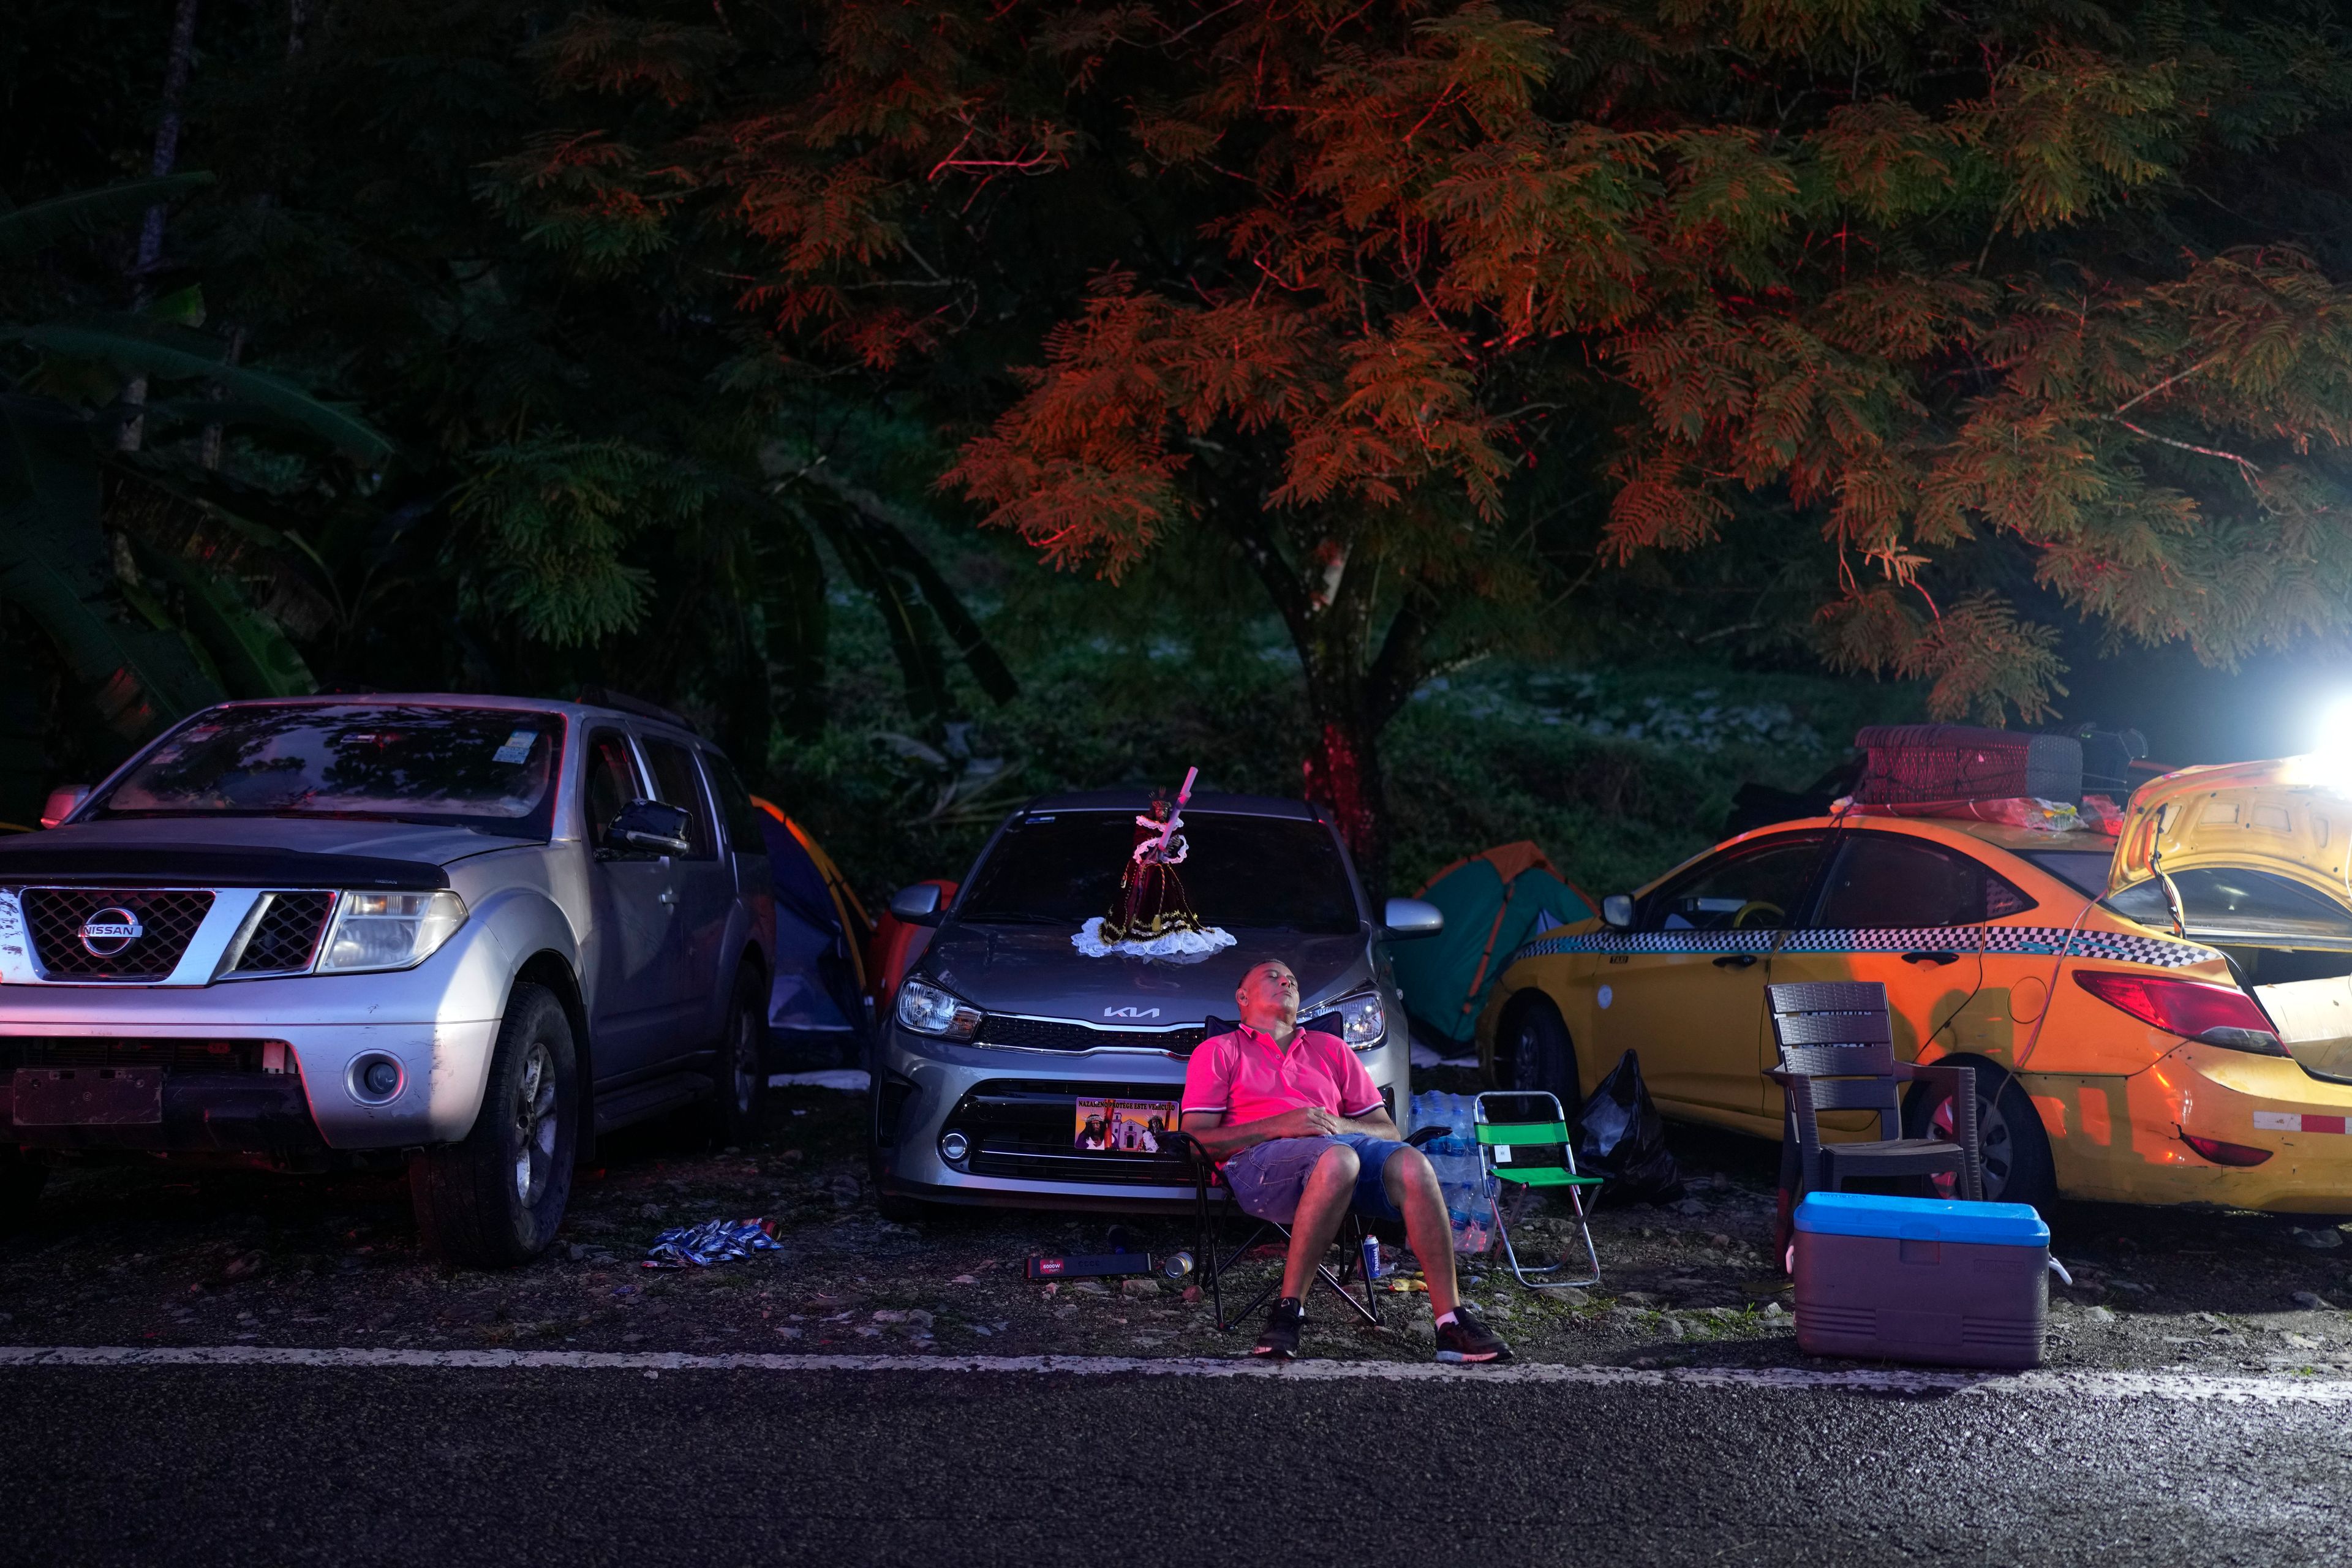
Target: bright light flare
2332,739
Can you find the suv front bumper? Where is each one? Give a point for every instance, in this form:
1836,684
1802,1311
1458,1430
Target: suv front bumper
296,1044
1017,1110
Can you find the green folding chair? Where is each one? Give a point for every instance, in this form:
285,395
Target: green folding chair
1532,1157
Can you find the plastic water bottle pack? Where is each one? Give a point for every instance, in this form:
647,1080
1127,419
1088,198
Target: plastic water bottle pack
1455,1157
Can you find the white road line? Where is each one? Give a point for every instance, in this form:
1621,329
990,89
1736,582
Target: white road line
2075,1384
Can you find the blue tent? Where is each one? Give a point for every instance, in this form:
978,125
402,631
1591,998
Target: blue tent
817,1008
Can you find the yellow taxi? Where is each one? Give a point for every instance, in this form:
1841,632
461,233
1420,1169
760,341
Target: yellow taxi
2161,1017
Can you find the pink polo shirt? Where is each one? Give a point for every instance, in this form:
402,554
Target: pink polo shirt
1245,1076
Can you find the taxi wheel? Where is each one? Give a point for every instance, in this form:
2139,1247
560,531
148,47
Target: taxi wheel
2017,1164
1540,1056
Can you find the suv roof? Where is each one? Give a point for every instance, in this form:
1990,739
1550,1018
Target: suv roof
1140,800
465,699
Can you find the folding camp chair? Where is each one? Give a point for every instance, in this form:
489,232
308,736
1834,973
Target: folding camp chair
1501,1164
1212,1261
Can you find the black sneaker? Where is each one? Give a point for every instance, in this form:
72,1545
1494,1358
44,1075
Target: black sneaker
1281,1337
1465,1339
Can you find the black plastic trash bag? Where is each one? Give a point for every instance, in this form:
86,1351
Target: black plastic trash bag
1620,1139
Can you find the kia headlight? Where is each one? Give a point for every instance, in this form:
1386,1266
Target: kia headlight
928,1010
389,930
1363,1022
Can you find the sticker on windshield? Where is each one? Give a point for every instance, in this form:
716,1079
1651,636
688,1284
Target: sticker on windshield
518,747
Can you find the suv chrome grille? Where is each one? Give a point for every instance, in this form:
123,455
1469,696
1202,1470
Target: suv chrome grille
1051,1035
168,919
286,938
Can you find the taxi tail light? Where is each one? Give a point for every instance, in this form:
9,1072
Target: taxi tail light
2216,1015
2224,1153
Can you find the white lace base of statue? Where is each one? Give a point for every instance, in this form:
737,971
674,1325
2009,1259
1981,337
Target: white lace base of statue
1174,944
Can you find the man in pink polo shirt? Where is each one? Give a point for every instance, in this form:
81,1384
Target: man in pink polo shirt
1298,1127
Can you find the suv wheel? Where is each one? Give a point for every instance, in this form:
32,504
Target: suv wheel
496,1198
740,1073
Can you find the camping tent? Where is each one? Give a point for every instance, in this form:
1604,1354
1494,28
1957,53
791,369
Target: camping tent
1493,902
817,1009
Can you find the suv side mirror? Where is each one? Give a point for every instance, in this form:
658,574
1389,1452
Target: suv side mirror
649,825
1407,918
1617,911
917,903
64,801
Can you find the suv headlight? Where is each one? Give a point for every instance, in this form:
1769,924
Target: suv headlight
389,930
1363,1022
928,1010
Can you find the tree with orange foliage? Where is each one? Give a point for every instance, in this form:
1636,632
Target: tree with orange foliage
1950,297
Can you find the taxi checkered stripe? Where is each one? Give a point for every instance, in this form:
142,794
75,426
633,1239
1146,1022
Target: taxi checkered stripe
2052,941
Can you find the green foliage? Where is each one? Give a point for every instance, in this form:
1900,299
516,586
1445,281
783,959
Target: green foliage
545,524
26,229
1445,307
433,387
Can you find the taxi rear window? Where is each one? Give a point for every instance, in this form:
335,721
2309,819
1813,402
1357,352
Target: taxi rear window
2223,902
2084,871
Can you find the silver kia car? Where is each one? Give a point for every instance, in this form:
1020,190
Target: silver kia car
1016,1070
468,932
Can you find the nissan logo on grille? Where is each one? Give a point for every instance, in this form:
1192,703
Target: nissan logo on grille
109,931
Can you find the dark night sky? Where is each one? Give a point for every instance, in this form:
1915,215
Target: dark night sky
2273,706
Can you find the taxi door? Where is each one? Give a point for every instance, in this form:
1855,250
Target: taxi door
1685,986
1908,912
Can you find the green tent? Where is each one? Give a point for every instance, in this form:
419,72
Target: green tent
1493,902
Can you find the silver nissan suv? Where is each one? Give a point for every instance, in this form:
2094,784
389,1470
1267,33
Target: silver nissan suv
1016,1070
468,932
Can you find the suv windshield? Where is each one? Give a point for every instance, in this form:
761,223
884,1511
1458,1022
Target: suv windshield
2224,901
487,768
1257,873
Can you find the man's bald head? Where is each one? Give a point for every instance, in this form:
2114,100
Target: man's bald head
1268,999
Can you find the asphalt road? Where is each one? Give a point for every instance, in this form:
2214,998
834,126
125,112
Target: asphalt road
311,1464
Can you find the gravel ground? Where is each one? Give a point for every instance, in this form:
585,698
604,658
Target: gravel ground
156,1255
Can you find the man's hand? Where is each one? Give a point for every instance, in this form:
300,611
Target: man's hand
1306,1121
1221,1141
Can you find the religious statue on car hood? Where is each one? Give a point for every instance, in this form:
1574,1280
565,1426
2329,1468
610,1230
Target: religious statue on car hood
1151,916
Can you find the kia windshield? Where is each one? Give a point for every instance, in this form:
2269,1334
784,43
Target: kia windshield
492,768
1255,873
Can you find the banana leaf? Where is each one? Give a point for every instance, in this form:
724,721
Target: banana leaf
252,655
913,631
163,351
26,229
795,615
54,564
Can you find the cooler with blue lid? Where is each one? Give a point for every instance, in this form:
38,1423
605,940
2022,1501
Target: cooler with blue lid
1922,1280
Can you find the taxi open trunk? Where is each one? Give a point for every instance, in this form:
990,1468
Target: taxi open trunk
2252,858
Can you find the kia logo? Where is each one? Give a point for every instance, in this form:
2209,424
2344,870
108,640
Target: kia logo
109,932
1131,1012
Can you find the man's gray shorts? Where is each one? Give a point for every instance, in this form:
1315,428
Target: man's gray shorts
1268,1179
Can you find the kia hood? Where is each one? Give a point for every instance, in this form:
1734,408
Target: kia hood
2292,817
1034,970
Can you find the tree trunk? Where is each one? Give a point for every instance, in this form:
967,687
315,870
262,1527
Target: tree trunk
177,66
1357,673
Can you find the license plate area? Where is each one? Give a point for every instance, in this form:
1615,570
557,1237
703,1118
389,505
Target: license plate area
1115,1127
87,1097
